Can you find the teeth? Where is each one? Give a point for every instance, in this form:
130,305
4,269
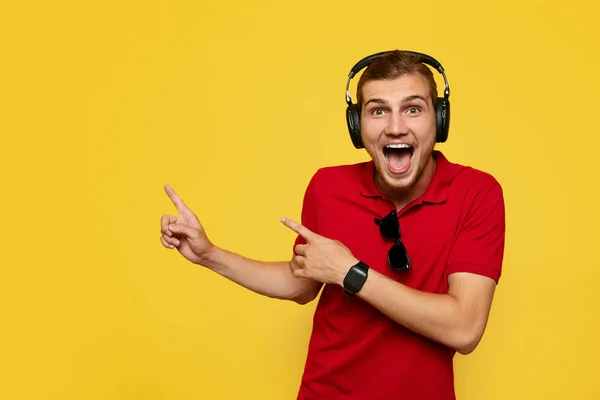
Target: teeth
398,146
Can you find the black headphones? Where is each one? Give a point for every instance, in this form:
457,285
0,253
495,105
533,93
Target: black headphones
442,107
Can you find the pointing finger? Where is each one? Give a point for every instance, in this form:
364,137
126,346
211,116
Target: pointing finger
299,229
179,204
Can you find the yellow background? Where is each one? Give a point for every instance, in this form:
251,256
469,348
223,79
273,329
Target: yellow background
236,104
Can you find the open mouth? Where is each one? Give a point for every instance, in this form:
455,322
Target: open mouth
398,157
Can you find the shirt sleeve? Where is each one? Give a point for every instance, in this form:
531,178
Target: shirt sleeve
309,210
479,244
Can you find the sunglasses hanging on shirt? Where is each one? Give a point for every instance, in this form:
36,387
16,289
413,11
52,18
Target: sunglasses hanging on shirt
390,229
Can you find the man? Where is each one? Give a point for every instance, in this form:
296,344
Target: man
408,247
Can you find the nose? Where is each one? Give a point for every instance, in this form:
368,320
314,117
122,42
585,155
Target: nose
396,125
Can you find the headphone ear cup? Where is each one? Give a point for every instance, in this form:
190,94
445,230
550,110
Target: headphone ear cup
353,121
442,119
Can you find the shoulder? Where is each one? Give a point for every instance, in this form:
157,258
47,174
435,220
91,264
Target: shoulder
469,187
327,186
476,193
477,179
470,179
339,177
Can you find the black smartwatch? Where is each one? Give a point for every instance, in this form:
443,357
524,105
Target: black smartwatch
355,278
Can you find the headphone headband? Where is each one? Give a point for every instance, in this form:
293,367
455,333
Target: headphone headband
424,58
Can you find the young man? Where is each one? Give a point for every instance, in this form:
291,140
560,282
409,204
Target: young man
408,247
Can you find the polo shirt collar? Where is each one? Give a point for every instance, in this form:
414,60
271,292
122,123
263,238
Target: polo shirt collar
437,192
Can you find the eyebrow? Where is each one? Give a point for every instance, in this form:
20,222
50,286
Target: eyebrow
407,99
376,100
413,97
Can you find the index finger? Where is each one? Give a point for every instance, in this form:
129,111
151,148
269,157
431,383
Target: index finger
179,204
299,229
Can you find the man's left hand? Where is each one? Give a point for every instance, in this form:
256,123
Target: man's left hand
321,259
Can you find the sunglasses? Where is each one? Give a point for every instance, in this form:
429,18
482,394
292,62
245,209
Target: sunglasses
390,229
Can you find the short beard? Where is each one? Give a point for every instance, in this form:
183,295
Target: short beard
391,190
403,192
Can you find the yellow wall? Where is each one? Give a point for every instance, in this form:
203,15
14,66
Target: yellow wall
236,104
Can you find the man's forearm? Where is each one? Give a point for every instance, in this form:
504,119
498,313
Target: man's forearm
272,279
440,317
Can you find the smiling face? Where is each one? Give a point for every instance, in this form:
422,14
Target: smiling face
398,131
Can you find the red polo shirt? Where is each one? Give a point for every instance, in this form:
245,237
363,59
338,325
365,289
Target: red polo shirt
457,225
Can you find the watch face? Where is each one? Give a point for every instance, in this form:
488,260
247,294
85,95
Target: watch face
352,284
355,279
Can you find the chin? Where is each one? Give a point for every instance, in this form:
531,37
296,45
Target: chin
401,183
398,183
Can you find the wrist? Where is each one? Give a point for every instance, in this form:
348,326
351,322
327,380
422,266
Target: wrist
341,275
209,257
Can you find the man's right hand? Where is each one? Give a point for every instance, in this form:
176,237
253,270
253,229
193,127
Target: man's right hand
184,231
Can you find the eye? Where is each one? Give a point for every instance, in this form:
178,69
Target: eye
377,112
413,110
